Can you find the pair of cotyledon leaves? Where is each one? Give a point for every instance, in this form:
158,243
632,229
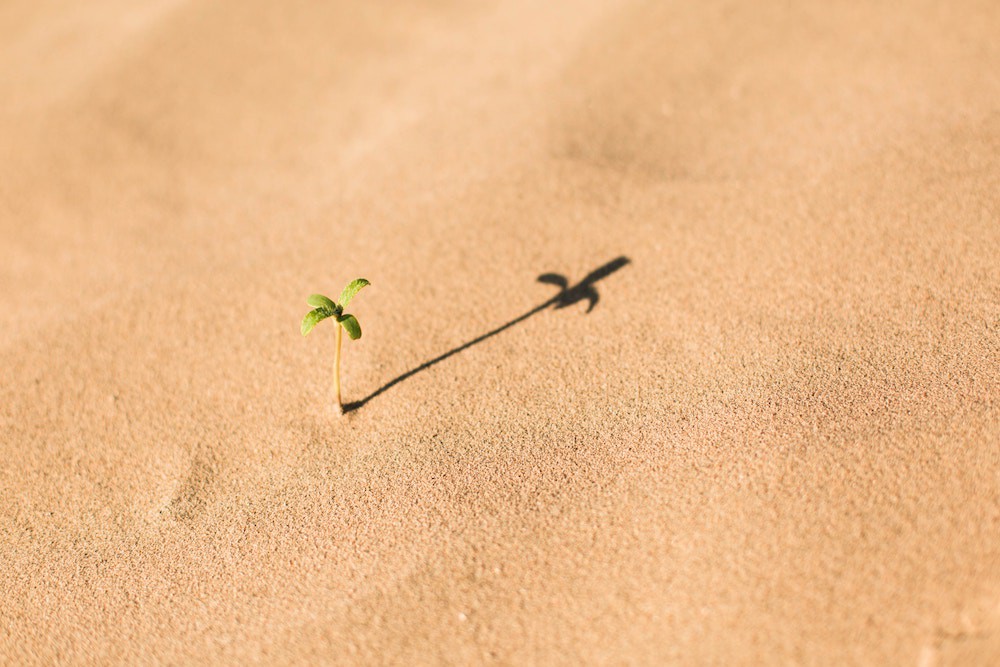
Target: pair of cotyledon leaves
324,307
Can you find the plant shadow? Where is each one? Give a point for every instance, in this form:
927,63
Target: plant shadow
568,295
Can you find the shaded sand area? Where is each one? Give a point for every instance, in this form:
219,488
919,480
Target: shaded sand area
774,439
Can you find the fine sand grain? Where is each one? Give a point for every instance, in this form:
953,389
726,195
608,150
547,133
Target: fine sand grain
774,439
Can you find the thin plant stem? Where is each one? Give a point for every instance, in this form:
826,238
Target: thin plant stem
336,368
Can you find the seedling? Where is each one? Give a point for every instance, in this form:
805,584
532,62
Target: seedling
324,307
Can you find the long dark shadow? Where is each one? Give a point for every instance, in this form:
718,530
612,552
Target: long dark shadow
567,296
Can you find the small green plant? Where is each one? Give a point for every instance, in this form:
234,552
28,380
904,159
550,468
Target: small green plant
324,307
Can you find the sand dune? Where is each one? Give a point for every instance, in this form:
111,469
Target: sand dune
774,439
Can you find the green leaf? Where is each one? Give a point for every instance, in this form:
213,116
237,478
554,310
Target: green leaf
352,288
314,317
351,326
320,301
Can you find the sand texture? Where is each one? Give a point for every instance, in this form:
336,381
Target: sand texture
773,439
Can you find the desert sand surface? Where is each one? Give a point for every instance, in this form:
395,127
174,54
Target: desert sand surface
773,439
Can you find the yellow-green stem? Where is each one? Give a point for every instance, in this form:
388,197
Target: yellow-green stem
336,368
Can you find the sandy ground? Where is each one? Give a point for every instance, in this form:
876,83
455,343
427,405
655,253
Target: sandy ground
775,438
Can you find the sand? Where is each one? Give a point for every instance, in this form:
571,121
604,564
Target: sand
774,439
